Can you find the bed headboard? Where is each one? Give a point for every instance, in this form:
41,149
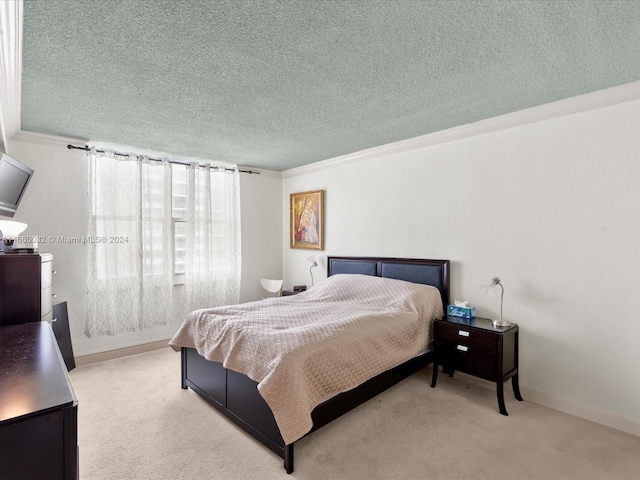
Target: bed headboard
427,272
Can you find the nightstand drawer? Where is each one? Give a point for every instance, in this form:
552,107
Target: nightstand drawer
465,336
473,361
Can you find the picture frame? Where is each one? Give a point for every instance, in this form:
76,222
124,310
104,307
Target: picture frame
306,228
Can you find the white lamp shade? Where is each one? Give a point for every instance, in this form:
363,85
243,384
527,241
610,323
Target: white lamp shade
11,229
490,287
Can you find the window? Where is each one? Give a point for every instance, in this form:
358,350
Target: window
179,218
128,218
178,225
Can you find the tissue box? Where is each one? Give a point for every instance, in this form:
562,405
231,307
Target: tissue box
463,312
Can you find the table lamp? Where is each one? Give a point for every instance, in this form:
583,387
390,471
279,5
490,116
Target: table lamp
312,259
489,288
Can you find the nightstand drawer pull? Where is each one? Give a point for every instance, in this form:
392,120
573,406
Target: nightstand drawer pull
462,348
463,333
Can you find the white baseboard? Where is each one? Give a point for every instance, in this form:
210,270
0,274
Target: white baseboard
577,409
121,352
565,405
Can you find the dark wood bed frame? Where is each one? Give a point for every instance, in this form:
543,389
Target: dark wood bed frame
236,396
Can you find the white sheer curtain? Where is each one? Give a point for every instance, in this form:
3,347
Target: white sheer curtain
129,244
213,261
11,14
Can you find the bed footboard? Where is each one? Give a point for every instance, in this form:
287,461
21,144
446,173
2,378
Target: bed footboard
236,396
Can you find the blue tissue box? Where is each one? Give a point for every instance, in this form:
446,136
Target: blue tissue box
462,312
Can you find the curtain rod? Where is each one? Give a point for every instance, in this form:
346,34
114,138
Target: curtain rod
178,162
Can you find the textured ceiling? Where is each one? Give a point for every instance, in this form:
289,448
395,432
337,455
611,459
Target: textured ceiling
279,84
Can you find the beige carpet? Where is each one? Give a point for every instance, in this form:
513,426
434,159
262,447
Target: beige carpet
135,422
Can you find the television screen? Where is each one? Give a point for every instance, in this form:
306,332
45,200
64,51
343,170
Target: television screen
14,178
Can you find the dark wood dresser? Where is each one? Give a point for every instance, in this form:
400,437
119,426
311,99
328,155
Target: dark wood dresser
38,407
26,283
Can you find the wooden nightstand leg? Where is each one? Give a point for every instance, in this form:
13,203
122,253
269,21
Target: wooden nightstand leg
500,389
516,387
434,375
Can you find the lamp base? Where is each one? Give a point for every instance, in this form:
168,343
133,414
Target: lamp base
501,323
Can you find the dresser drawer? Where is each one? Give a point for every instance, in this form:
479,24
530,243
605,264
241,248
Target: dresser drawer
459,334
471,360
46,301
46,276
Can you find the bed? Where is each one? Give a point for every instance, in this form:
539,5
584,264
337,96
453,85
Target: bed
242,399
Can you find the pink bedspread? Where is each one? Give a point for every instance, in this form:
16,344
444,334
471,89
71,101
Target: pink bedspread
307,348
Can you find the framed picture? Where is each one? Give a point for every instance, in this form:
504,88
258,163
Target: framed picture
307,220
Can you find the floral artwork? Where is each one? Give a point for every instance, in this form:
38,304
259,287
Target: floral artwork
306,230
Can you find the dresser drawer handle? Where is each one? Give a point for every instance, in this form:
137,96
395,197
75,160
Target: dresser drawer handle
463,333
462,348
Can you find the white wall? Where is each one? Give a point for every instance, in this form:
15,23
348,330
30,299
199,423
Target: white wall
550,207
55,204
261,200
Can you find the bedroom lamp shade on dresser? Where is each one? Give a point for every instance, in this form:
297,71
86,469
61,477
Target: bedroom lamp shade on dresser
10,230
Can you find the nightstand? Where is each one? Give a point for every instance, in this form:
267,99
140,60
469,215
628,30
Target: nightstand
477,348
287,293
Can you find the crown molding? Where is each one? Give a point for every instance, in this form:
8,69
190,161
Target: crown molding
10,67
589,101
45,139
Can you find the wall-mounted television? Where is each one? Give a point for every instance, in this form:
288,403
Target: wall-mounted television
14,178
